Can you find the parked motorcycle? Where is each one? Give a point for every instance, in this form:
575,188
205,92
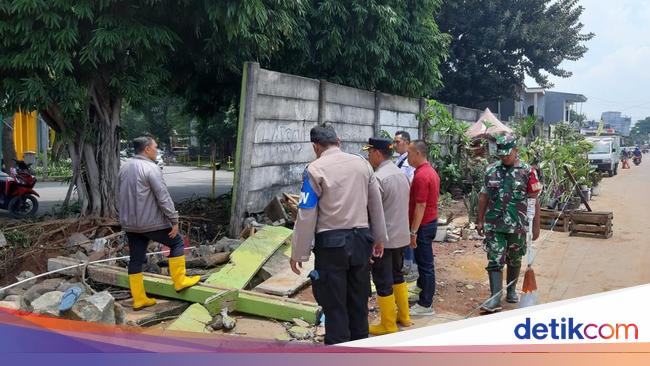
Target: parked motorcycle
17,191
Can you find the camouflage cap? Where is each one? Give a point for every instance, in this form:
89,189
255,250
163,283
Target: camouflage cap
505,144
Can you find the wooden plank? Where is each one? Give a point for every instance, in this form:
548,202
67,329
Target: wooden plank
277,308
212,298
286,282
589,228
591,218
578,190
246,260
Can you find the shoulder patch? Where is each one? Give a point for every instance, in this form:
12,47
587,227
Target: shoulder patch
308,197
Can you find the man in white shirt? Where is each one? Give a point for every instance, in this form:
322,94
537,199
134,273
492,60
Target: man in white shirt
401,143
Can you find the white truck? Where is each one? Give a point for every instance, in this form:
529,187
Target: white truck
604,156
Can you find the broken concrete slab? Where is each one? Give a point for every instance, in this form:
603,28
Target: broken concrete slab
76,239
195,319
246,261
3,240
227,245
48,303
98,308
34,292
13,298
81,256
300,323
24,275
287,283
11,305
153,315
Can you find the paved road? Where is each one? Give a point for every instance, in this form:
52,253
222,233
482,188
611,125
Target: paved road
182,182
568,267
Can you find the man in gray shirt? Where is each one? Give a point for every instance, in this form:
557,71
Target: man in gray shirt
392,290
147,213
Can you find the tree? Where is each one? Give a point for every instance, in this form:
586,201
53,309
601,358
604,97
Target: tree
495,44
577,118
76,61
640,133
387,45
207,65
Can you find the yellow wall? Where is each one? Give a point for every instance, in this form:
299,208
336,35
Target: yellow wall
25,135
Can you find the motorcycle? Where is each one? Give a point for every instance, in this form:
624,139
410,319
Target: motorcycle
636,160
17,191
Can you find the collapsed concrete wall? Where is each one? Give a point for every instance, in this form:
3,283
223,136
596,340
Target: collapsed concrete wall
277,112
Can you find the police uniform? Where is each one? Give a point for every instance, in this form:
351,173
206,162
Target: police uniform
340,197
392,291
506,222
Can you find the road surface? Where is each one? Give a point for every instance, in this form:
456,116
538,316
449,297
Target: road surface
568,267
183,182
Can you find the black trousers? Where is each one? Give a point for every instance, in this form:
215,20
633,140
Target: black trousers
138,243
387,271
341,282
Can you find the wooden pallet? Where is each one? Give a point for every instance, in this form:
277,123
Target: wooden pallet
592,224
547,218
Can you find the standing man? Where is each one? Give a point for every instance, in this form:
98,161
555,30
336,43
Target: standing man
392,291
502,217
147,213
339,200
423,218
401,141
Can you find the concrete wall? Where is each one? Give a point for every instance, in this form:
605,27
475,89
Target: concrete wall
277,112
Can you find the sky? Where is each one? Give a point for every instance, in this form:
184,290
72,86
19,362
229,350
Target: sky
614,74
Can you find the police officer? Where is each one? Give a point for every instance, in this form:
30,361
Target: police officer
502,218
392,291
339,199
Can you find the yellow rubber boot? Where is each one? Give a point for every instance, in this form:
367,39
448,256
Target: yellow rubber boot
140,299
177,271
401,292
388,313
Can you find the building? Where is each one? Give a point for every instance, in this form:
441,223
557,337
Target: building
550,107
621,124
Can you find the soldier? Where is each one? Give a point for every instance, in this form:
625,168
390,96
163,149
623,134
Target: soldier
502,217
340,197
392,291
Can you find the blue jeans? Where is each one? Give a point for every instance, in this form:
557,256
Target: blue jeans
424,259
409,255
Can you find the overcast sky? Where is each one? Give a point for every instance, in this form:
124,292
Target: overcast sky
615,73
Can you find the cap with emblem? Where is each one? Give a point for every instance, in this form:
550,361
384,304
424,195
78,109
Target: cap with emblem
379,144
505,144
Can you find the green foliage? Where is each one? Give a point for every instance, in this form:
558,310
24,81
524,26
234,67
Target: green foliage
640,133
59,169
567,147
524,127
447,144
388,45
496,43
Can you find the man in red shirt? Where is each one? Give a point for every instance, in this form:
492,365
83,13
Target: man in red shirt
423,220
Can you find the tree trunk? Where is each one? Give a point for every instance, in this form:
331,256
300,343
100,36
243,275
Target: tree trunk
8,149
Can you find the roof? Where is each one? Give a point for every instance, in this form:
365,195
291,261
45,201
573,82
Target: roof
479,128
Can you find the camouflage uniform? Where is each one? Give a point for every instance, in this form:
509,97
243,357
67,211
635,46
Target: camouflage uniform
506,222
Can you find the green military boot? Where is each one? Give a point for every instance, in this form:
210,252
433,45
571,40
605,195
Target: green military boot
512,275
496,285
